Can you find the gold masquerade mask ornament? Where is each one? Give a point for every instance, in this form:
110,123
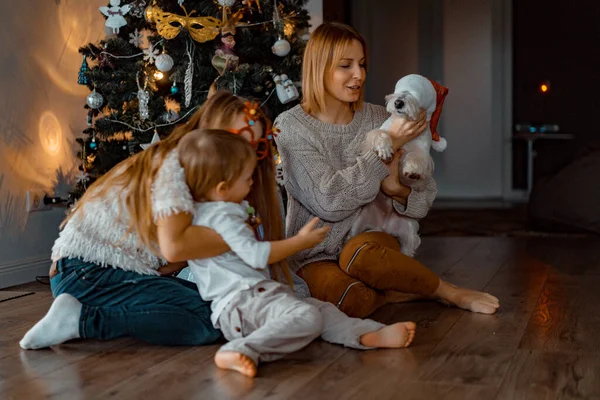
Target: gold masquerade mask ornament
169,25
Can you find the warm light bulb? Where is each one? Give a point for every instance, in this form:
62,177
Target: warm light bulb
158,75
544,88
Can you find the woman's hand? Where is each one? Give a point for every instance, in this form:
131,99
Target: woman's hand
391,185
403,131
312,236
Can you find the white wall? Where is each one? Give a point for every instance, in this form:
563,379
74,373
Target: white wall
41,114
471,167
393,45
460,43
315,9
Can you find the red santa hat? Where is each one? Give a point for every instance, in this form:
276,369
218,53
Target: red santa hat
441,93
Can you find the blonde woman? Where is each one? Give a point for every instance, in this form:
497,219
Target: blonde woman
326,176
134,224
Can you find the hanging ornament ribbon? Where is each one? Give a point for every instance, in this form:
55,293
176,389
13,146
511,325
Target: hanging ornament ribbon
169,25
144,98
277,21
189,74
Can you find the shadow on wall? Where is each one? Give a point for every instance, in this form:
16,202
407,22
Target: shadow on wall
42,110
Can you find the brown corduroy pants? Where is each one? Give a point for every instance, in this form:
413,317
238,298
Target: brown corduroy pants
370,264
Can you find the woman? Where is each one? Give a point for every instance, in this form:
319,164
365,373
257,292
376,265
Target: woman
117,241
327,176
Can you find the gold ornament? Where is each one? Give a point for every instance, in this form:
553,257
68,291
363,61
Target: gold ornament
169,25
229,23
249,3
223,61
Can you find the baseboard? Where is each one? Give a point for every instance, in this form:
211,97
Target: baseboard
23,271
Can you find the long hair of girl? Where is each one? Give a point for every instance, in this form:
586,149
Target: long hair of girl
136,174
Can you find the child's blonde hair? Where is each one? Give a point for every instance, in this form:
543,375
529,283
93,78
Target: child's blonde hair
324,50
211,156
137,174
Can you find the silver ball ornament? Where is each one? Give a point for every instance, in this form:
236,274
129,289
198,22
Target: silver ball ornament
281,48
164,62
226,3
95,100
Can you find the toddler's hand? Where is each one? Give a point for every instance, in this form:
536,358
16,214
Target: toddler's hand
312,236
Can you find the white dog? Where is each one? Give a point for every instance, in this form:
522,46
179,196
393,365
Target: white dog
412,93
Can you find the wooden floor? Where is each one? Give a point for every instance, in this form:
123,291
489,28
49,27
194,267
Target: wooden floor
543,344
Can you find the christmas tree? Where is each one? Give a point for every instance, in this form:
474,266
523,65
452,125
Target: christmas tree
161,58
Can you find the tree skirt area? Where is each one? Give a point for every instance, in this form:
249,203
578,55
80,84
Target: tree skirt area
508,222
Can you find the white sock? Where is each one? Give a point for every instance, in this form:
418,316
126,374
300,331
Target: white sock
60,324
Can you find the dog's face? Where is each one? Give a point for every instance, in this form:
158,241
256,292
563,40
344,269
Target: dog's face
403,104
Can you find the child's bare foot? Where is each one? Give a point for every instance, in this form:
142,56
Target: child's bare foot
236,362
397,335
468,299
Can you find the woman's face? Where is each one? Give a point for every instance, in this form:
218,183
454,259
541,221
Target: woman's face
345,82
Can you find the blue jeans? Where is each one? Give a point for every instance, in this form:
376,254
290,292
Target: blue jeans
116,303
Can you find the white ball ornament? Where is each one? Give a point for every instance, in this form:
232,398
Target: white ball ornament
164,62
95,100
226,3
281,48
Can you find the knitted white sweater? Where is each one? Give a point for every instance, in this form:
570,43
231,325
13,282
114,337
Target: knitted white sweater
98,234
326,176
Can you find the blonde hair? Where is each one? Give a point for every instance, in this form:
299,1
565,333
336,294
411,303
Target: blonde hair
137,174
324,50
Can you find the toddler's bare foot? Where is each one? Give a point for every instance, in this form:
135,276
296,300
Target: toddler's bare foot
468,299
397,335
236,362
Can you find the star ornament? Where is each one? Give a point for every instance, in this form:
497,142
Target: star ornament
155,139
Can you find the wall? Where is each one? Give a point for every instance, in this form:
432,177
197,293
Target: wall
463,45
315,9
40,116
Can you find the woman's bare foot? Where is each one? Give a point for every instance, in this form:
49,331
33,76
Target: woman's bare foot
397,335
236,362
467,299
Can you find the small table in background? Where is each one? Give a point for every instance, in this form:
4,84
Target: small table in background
530,138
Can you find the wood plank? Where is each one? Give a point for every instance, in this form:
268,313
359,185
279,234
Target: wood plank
429,390
368,373
198,377
566,318
479,348
550,375
6,295
441,254
88,376
541,344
